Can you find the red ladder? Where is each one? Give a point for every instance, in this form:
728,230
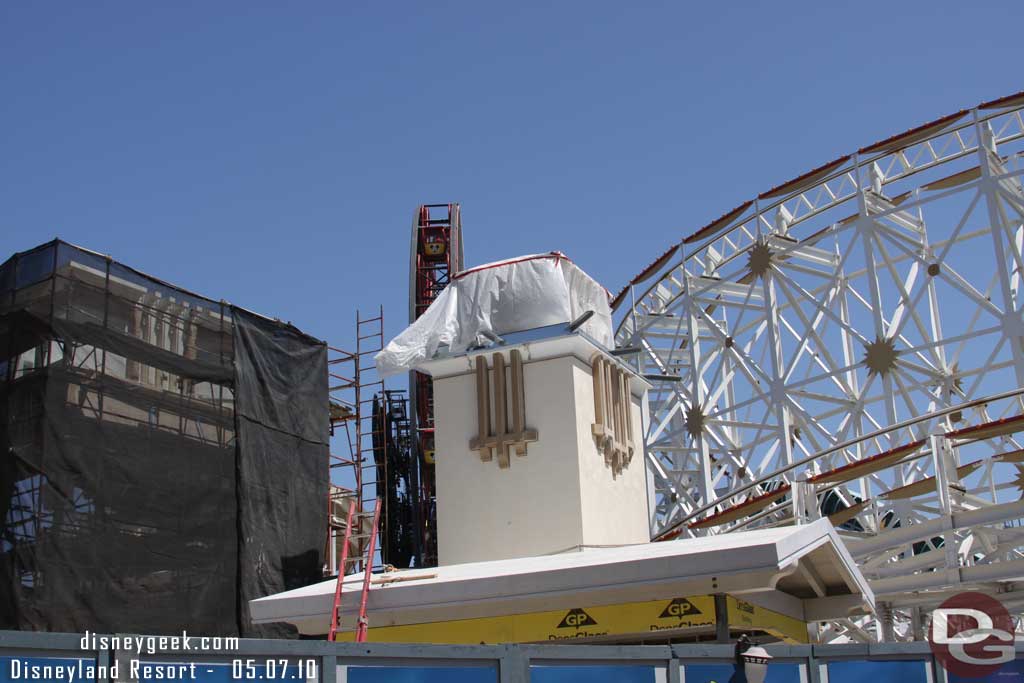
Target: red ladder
362,624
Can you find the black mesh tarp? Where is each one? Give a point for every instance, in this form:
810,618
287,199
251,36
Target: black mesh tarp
163,457
281,412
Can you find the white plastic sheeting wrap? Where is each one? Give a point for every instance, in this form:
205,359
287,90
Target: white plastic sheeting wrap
499,298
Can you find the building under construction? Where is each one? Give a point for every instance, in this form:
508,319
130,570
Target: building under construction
843,350
164,454
804,420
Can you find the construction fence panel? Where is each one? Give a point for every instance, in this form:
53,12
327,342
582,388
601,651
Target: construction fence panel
254,659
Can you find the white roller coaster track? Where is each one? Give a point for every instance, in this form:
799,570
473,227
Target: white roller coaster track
851,344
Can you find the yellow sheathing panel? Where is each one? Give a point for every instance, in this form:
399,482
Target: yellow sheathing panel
586,622
744,615
564,624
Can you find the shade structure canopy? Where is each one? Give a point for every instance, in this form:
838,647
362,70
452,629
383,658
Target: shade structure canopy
802,572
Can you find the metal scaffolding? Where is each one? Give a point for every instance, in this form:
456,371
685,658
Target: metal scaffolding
354,390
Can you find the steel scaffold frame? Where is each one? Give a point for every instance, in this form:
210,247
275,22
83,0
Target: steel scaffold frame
353,384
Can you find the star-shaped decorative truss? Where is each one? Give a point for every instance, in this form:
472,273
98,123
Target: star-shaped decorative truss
831,329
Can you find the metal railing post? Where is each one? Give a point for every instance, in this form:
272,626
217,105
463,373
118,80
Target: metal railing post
514,666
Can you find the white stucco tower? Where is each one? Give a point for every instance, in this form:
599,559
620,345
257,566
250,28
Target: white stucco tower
538,425
533,455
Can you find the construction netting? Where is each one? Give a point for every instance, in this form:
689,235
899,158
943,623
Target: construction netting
163,456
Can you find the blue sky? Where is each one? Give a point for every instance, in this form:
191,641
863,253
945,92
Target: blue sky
273,154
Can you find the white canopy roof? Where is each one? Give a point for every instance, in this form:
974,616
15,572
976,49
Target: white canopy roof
805,571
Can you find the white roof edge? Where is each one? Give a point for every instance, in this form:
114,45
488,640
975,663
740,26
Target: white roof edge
846,565
611,572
